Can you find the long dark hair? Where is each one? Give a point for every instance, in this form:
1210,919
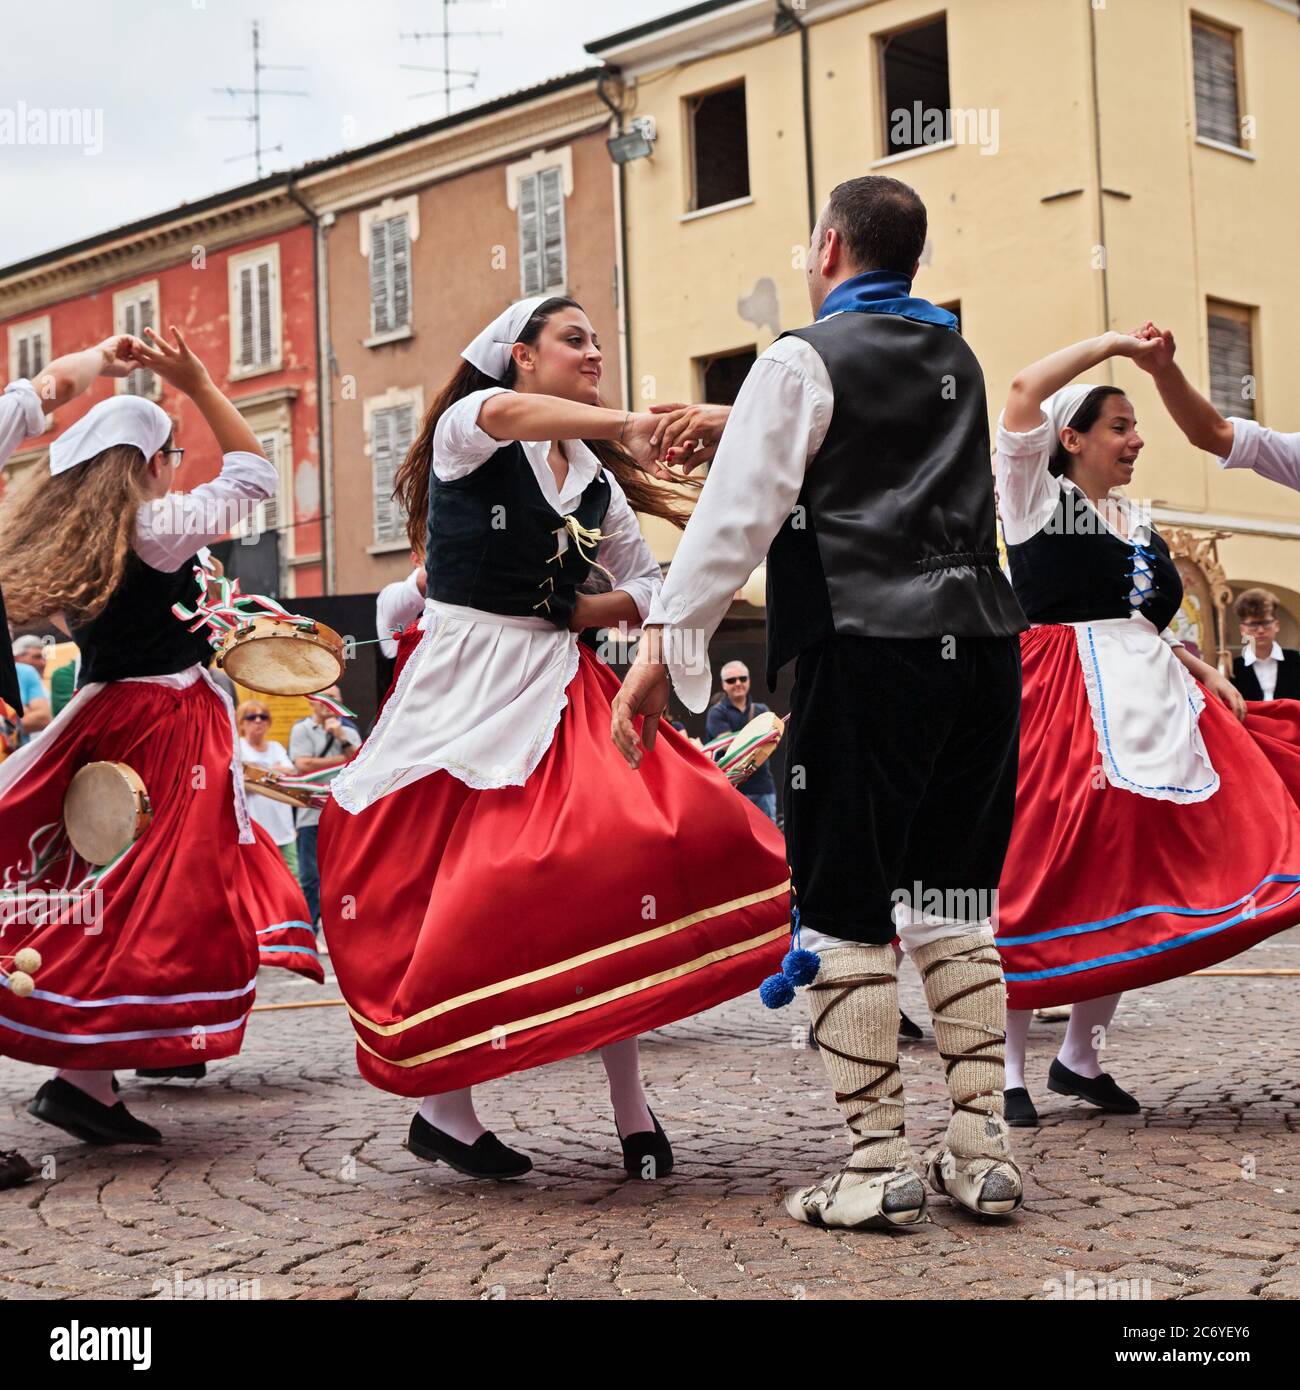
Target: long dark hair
411,486
1083,420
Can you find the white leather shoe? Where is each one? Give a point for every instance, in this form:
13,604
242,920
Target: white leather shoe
986,1186
882,1202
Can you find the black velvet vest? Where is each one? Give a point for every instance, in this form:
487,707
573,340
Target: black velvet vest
137,634
1075,570
894,532
494,540
1288,677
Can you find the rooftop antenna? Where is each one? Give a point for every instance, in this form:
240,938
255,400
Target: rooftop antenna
257,92
446,34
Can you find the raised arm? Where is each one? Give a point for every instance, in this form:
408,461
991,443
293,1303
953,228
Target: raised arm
70,375
1032,385
1204,427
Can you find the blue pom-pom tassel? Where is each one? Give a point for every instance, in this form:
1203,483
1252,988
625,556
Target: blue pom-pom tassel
800,967
776,992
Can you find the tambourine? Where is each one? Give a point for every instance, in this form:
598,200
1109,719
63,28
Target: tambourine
271,784
282,656
105,811
741,754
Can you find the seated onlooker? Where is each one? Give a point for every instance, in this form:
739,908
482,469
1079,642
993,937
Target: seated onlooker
730,712
1265,670
321,740
29,658
259,750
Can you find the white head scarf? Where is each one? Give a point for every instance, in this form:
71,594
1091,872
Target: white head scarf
490,351
118,420
1060,406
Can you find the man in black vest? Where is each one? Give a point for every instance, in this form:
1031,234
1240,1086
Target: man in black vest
1265,670
857,457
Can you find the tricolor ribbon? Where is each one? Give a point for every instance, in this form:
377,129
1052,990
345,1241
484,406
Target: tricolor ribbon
229,610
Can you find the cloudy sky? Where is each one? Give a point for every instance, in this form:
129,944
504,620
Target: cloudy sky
146,70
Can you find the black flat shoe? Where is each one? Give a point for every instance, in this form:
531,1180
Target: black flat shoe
647,1154
69,1108
1100,1091
1018,1110
907,1030
196,1072
486,1157
14,1169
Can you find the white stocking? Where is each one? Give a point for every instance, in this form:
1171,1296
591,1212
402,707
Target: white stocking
1086,1035
623,1067
453,1113
1018,1021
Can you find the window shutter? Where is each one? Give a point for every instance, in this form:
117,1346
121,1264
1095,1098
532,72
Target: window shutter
265,338
399,246
246,358
380,311
268,512
530,236
552,199
1231,362
24,359
138,315
37,352
1214,59
392,432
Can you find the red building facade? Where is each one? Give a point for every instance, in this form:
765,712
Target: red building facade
235,273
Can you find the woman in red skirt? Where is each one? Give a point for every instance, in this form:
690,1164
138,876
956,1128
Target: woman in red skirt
149,961
1154,835
498,889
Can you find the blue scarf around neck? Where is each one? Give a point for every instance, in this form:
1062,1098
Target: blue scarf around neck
883,292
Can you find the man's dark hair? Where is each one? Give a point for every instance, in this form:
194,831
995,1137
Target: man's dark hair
1256,605
881,222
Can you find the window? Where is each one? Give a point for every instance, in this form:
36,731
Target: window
390,275
29,348
913,66
719,139
255,311
134,310
541,232
1214,71
392,431
722,375
276,513
1232,359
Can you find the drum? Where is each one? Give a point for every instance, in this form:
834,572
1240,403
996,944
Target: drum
105,811
258,779
281,656
741,755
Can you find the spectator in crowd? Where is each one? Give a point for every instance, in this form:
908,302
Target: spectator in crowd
29,658
732,710
319,741
1265,670
63,685
259,750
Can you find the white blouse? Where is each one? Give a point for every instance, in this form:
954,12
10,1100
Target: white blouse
482,693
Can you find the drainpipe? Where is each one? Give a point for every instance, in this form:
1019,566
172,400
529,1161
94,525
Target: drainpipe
787,21
614,77
324,406
1101,197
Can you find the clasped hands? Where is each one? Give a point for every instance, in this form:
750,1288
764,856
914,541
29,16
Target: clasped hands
670,441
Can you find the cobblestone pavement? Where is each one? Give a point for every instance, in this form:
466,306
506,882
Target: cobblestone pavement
284,1167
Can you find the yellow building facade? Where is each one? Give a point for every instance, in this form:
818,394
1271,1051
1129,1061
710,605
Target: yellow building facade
1076,191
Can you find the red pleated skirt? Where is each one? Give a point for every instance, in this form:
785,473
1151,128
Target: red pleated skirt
479,933
1104,890
153,961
